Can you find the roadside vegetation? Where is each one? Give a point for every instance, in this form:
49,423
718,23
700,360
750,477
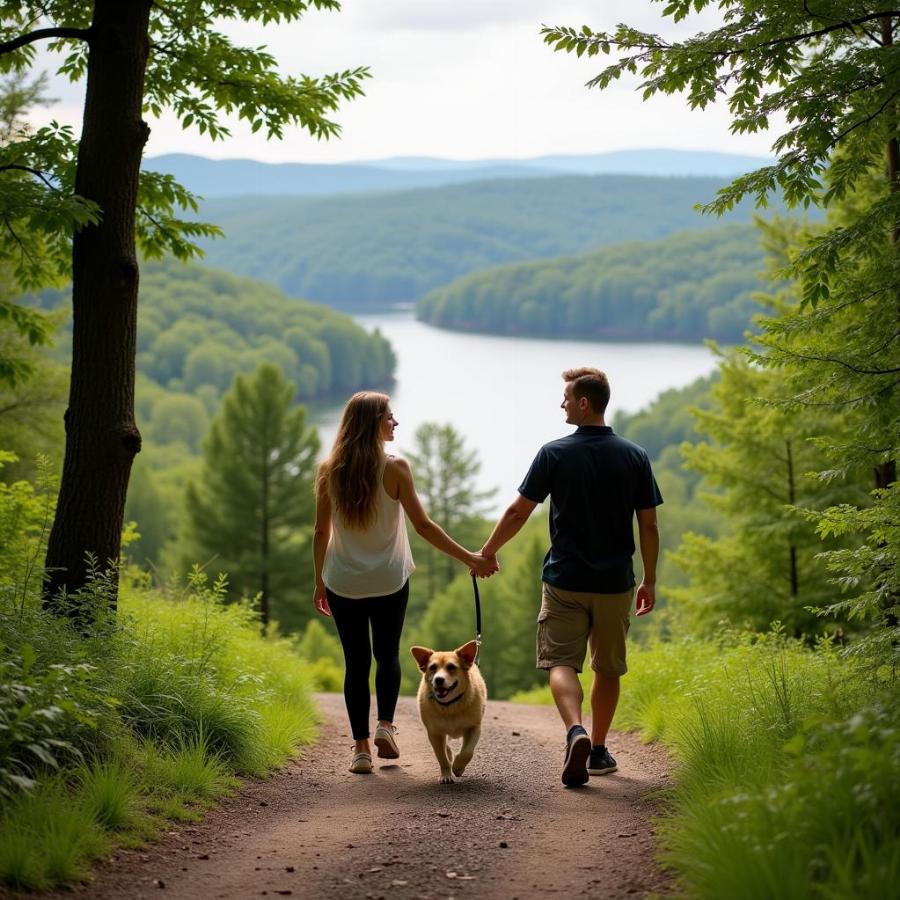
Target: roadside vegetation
152,717
786,765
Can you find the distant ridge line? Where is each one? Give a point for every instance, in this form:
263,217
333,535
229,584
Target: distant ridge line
235,177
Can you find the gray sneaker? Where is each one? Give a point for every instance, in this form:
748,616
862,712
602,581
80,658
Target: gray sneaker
386,743
601,762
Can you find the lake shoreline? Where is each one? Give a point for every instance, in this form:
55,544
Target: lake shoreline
502,394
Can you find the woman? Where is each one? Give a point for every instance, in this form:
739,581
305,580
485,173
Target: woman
363,562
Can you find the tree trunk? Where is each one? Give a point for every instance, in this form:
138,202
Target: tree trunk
886,473
792,499
265,524
101,435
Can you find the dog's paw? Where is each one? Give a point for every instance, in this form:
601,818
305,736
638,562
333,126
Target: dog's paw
446,779
458,769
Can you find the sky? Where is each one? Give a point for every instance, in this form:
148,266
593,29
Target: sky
458,79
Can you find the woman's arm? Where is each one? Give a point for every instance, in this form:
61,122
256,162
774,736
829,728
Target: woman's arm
321,537
426,528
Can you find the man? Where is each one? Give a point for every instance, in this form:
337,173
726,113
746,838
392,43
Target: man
596,481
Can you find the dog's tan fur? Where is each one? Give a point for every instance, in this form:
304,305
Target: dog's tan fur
460,718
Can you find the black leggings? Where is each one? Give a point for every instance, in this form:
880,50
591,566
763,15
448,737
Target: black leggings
352,617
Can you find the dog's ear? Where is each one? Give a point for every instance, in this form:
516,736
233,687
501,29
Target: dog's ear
422,655
467,653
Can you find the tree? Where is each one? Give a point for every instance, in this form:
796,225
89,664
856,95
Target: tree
830,68
756,458
77,207
445,473
251,511
17,95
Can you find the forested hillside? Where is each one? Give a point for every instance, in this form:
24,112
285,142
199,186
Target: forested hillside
687,286
380,248
198,329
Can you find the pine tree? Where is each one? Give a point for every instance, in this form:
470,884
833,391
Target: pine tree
252,509
755,463
445,472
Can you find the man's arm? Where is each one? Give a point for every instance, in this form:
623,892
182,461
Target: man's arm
509,525
648,534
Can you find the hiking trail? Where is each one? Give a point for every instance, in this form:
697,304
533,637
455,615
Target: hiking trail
508,829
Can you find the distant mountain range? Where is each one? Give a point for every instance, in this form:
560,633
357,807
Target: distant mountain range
238,177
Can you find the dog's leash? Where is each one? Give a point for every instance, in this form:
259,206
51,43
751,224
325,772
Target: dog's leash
477,618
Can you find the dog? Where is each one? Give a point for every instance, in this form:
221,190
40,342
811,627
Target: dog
452,699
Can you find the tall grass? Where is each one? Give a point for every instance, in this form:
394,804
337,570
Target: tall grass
788,767
154,716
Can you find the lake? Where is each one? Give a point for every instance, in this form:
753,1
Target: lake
503,394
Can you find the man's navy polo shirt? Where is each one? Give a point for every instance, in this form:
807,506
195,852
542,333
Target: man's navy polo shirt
596,480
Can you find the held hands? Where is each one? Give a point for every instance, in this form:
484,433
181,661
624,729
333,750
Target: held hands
320,601
483,566
646,599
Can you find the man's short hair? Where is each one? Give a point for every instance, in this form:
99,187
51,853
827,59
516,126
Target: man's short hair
590,383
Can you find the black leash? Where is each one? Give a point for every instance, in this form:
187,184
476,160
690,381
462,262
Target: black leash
477,618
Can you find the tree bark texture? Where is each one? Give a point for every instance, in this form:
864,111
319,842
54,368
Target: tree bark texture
101,435
886,473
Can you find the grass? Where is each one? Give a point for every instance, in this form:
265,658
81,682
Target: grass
48,836
787,768
160,717
107,790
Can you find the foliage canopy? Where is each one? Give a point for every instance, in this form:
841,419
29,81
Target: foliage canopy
194,70
831,69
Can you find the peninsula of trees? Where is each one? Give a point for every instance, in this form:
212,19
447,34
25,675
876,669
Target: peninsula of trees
685,287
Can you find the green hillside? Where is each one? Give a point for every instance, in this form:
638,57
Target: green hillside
199,326
197,329
687,286
379,248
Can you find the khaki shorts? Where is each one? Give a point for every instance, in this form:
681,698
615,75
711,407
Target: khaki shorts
569,619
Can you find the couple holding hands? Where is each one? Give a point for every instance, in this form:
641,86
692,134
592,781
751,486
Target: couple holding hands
597,483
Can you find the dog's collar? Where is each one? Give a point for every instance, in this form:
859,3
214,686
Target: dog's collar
431,696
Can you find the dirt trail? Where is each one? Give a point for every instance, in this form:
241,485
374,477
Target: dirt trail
509,829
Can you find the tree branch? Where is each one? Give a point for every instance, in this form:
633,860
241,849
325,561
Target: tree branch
836,140
838,362
38,174
42,34
744,51
824,18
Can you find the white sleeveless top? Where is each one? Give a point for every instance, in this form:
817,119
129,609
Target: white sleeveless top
371,563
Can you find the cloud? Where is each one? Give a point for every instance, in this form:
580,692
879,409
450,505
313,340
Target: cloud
459,15
465,79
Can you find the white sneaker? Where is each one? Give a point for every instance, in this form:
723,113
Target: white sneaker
362,764
385,742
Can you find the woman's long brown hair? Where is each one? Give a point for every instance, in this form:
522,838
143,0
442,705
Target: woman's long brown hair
350,474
